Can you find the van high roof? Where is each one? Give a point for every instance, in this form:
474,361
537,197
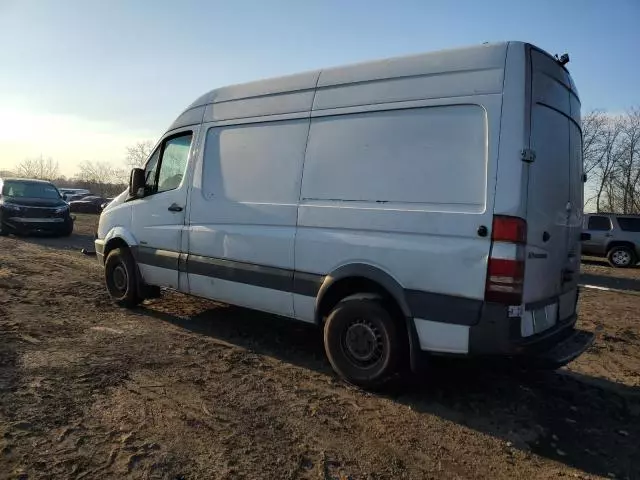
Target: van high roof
297,93
485,59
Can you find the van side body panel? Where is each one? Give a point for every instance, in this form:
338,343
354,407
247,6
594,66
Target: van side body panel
243,207
403,182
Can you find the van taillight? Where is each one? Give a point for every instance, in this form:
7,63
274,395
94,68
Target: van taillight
505,279
509,229
505,268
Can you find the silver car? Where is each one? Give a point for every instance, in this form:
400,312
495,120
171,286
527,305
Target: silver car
614,236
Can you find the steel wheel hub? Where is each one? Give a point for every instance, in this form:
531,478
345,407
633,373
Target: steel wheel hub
363,343
120,278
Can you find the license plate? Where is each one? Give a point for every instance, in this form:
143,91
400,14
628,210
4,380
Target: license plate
545,318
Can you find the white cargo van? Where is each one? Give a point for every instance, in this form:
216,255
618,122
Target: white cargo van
430,203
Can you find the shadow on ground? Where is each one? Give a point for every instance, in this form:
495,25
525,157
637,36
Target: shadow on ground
587,423
74,242
595,261
599,262
606,281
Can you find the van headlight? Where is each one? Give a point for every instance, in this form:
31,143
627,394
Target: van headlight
62,209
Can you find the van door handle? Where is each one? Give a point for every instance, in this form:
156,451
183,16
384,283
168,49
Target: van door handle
175,208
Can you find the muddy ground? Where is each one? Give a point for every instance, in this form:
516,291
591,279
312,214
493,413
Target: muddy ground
183,388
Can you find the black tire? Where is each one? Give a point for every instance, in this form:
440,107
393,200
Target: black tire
121,278
363,342
622,257
68,228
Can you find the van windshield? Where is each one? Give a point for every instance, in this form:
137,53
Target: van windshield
20,189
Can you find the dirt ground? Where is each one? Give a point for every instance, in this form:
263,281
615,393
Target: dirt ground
183,388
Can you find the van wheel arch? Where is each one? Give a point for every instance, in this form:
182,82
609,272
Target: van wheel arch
359,278
116,242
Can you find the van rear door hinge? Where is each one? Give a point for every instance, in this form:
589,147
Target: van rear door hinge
527,155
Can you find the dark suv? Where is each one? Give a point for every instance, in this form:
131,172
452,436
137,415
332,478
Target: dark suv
613,235
33,206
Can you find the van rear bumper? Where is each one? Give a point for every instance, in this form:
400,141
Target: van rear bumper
549,350
552,348
560,353
497,334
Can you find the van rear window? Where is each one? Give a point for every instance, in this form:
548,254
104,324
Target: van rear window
629,224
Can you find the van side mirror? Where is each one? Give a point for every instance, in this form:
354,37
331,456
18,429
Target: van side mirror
136,183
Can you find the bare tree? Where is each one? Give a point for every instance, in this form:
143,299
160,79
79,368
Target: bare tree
611,148
38,167
607,166
594,125
630,161
101,177
138,154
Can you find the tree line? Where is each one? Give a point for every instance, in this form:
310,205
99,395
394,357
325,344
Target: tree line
101,178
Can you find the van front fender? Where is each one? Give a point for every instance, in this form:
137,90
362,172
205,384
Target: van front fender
120,233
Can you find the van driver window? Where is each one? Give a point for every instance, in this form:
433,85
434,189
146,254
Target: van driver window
150,173
174,162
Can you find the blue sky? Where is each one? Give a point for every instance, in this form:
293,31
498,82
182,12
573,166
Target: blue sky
80,80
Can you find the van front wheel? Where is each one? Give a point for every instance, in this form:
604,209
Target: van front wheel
121,279
362,342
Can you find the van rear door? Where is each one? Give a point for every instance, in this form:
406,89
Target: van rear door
555,189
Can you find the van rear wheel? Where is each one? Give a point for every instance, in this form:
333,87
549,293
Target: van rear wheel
362,342
121,278
622,257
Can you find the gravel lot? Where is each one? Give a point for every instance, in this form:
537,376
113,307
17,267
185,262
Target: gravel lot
183,388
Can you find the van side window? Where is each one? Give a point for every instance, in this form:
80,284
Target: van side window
175,155
599,223
166,166
629,224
